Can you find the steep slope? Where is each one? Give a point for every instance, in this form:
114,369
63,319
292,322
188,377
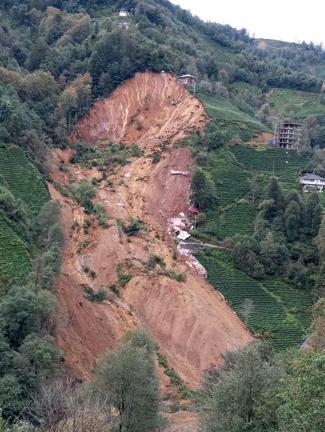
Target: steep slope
149,109
189,320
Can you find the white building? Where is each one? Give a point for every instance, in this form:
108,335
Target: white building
124,13
187,79
312,182
183,235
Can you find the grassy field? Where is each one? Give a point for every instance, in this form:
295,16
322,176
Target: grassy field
280,312
230,118
293,103
21,177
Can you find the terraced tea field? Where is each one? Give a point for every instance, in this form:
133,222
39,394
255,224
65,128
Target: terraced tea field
19,175
237,217
284,164
233,168
279,310
22,178
293,103
14,256
230,118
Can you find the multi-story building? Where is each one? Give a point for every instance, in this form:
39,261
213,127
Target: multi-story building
288,134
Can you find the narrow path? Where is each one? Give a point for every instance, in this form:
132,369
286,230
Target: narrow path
203,245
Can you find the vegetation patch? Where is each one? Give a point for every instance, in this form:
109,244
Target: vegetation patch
273,315
21,177
295,104
95,296
173,376
108,157
14,255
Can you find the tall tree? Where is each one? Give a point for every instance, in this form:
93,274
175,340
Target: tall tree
238,396
203,190
127,378
292,220
313,214
274,192
320,239
303,397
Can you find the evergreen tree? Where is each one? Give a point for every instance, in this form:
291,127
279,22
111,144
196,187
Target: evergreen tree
273,254
245,254
320,240
274,192
203,190
22,311
313,214
292,220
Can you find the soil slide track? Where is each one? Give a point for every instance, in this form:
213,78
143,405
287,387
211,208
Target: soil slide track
189,320
148,109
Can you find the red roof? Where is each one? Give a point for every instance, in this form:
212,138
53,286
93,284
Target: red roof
194,210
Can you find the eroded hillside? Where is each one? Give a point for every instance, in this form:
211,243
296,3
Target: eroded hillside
149,109
189,320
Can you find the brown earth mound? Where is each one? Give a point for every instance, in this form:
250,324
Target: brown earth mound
189,320
262,138
149,109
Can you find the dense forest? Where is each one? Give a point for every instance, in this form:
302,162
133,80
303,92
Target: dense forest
57,57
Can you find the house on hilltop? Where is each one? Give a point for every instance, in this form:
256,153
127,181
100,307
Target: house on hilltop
288,134
124,13
312,182
187,79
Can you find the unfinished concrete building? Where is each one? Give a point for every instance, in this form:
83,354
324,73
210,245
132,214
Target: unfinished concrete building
288,134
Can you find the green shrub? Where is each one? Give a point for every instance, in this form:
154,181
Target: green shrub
173,375
87,223
180,277
95,296
155,157
83,192
116,289
124,279
154,260
101,214
133,227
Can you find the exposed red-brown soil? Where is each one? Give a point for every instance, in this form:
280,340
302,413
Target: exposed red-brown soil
189,320
261,138
182,421
148,109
